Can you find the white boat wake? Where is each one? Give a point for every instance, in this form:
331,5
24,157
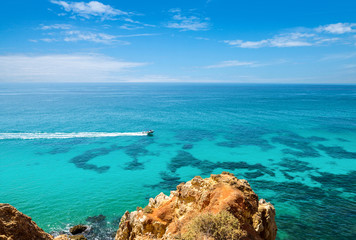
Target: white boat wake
60,135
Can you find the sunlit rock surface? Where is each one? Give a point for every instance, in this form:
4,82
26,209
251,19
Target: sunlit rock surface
172,217
15,225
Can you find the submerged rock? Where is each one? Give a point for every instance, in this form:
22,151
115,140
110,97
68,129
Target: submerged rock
96,219
15,225
210,208
77,229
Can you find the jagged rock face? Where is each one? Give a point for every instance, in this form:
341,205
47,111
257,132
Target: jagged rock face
170,217
15,225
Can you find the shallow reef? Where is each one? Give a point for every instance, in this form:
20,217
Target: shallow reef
185,159
337,152
81,161
252,136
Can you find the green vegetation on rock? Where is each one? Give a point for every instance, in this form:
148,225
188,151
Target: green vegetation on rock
219,226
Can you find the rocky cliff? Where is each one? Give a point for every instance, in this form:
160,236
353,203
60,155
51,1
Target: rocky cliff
219,207
15,225
216,208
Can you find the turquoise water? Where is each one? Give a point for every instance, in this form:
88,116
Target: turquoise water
295,144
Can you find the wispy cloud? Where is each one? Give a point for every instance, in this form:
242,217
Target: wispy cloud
236,63
56,26
281,40
137,35
49,40
130,27
350,66
338,28
78,35
75,36
233,63
63,68
131,21
90,9
342,56
95,9
202,38
303,38
187,23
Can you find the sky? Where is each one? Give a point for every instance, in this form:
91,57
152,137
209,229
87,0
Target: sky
255,41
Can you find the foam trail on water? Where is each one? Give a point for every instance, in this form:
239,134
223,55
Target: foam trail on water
60,135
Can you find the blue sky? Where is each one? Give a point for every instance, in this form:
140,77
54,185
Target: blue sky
178,41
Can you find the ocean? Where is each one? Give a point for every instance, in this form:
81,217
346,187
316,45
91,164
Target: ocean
74,153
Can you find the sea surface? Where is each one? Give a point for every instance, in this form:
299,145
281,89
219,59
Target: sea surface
73,153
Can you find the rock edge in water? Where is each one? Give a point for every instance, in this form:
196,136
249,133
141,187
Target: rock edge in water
15,225
221,205
194,204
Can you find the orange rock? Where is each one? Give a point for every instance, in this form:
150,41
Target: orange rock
170,216
15,225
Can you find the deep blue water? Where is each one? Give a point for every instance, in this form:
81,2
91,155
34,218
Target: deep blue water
295,144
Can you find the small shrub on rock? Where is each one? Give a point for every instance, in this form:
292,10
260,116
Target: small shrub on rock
221,226
147,210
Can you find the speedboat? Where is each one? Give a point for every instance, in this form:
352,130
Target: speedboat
149,133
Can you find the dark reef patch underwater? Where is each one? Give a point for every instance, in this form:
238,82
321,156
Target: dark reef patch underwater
252,136
82,160
295,144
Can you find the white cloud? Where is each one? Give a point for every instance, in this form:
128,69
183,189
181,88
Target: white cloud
301,38
137,35
282,40
49,40
99,10
63,68
131,21
90,9
291,40
202,38
187,23
246,44
236,63
326,40
338,28
134,25
232,63
130,27
56,26
75,36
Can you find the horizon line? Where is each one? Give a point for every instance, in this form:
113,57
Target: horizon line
181,82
